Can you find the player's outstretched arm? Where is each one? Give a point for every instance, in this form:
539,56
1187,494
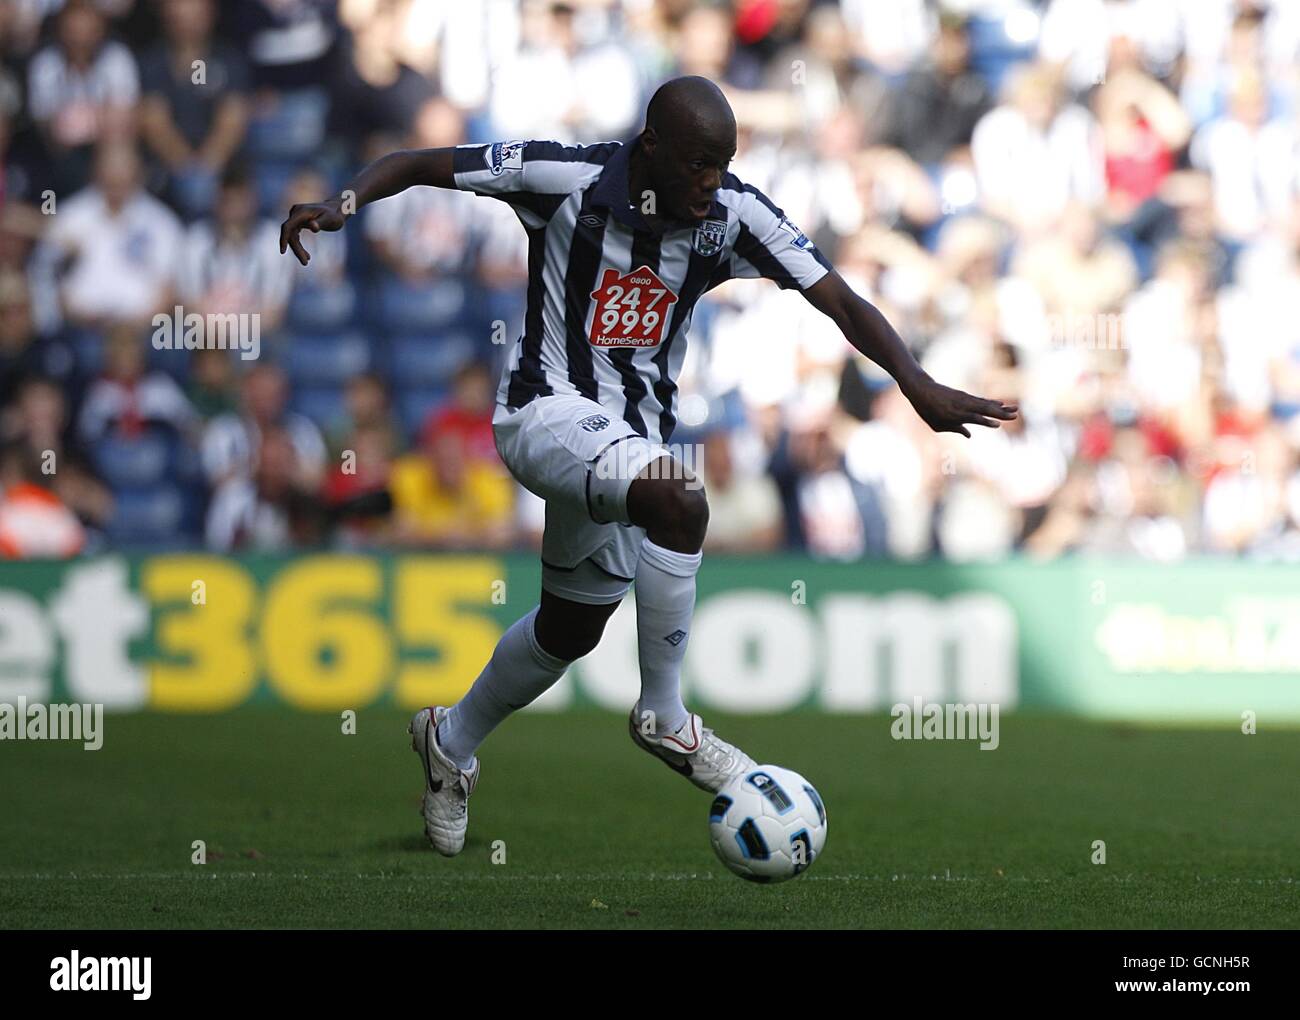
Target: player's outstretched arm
386,176
943,408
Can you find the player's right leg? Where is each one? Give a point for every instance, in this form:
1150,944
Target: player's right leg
532,654
547,445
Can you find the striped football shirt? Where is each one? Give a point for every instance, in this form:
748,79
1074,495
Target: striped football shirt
609,300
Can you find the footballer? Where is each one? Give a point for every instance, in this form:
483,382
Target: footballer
623,240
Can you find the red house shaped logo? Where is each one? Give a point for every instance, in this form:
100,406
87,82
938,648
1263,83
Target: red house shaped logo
631,309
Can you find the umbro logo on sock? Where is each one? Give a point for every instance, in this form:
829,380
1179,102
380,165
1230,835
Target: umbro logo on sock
675,638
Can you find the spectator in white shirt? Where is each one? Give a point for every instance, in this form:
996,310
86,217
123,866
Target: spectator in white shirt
231,263
1253,161
112,247
563,88
129,397
1036,152
82,89
427,233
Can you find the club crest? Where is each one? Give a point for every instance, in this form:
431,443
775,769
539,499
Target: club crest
709,236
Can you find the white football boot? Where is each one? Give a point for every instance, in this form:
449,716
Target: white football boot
693,750
446,785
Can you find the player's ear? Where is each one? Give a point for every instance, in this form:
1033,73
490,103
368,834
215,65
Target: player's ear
649,140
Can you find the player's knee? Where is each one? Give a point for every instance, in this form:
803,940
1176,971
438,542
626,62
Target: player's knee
675,513
569,632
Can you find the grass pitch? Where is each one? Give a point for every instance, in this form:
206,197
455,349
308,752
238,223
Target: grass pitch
307,827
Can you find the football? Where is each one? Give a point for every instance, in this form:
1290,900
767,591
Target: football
768,825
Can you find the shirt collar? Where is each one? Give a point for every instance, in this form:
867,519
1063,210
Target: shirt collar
611,188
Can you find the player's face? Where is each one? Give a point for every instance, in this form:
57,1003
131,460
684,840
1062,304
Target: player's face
688,173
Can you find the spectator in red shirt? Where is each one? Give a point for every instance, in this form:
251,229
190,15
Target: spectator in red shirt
468,413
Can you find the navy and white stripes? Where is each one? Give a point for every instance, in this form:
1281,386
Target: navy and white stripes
595,325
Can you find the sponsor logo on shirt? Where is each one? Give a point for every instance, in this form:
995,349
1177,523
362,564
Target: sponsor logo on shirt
502,156
631,309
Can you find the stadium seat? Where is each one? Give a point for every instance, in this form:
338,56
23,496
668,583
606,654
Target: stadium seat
314,308
994,51
326,359
428,359
175,363
87,350
147,517
413,407
324,405
136,463
293,128
507,305
405,307
271,178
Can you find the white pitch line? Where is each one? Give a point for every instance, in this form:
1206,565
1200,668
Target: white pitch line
613,877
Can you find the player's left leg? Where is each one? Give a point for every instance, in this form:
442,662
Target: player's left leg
674,512
670,505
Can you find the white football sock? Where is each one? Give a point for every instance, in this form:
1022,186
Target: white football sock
665,601
519,672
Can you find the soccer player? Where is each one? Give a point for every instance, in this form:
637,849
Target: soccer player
622,242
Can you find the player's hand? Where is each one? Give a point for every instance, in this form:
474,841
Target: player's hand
947,410
314,216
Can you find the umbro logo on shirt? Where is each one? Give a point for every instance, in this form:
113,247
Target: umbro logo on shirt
590,220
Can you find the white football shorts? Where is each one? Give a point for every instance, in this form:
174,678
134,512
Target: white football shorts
581,458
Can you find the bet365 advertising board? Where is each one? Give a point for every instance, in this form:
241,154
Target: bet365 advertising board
1204,641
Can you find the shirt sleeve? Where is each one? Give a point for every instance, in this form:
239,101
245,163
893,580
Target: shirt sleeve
768,245
505,169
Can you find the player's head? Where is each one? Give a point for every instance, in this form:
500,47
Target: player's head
689,138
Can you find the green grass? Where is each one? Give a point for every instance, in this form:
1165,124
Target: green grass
306,827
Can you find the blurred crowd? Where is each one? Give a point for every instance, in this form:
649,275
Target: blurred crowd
1090,207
